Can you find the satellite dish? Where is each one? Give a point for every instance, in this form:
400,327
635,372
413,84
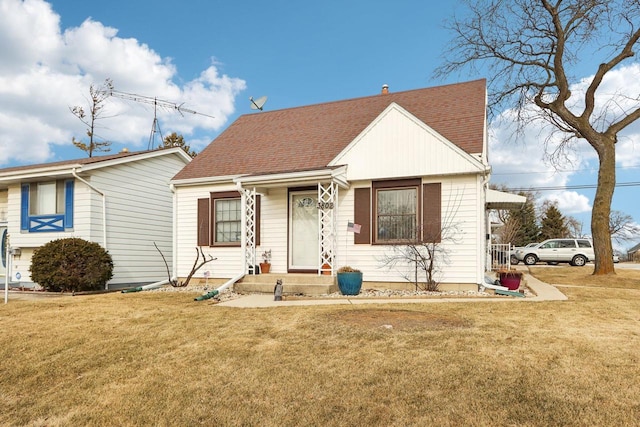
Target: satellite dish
256,104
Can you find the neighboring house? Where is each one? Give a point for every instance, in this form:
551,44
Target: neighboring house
633,254
121,201
401,165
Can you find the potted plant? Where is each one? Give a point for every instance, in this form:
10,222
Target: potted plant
265,266
349,280
510,278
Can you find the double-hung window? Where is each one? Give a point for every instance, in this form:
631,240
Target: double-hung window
397,214
47,206
227,225
220,219
398,211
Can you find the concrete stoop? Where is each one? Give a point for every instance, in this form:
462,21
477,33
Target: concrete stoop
307,284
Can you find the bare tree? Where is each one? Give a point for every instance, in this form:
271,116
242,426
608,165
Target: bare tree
529,49
622,227
425,253
574,226
97,97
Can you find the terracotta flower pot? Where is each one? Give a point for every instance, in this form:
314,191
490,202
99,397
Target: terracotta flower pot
265,267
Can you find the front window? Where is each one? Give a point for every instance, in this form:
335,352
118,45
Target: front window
46,198
228,220
46,206
397,214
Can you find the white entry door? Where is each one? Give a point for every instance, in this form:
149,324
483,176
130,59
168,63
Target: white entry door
303,231
3,250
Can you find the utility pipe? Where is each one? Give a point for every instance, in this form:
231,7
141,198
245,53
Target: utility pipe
219,289
149,286
104,210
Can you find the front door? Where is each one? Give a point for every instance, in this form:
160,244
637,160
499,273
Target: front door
3,250
303,231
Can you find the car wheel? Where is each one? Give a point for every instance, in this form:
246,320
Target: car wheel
578,261
530,259
514,260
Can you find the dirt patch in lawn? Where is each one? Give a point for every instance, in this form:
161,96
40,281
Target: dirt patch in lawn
398,319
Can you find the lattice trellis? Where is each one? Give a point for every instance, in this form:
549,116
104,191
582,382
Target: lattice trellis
327,218
249,229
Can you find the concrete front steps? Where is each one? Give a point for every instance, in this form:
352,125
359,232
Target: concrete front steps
307,284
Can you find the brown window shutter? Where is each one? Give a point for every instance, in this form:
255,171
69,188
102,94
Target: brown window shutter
432,212
203,222
257,219
362,215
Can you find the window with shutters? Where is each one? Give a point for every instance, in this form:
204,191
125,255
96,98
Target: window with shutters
227,225
398,211
220,219
47,206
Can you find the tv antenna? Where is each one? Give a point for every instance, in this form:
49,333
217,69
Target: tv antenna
257,104
167,105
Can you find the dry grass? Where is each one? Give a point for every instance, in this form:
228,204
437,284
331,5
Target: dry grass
583,276
162,359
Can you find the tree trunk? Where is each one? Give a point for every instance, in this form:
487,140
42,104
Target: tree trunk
602,210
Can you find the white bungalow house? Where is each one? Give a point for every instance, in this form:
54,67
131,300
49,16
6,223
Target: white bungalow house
401,166
121,201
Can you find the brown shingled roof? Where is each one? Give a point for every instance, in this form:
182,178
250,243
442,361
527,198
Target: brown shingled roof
307,138
81,161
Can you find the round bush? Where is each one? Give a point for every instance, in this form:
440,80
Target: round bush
71,265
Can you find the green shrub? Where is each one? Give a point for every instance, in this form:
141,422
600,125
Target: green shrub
71,265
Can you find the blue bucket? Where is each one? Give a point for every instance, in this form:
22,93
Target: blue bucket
350,283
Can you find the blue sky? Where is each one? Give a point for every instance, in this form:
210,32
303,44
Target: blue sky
213,55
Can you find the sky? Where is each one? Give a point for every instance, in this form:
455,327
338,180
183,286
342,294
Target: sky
210,56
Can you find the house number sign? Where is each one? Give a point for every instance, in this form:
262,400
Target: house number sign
325,205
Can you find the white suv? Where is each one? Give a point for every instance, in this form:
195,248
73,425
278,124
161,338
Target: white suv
574,251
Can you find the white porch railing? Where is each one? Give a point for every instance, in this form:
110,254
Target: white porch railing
500,256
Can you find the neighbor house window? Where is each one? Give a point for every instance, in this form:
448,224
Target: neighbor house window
47,206
228,228
46,198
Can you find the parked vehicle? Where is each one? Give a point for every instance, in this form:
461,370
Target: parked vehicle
576,252
513,258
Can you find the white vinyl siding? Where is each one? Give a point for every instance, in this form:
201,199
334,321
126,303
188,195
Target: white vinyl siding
139,211
398,145
139,214
459,210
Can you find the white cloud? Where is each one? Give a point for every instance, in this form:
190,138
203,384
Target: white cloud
45,70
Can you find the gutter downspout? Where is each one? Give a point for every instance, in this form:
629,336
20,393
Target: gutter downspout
174,233
487,220
243,246
104,210
216,291
149,286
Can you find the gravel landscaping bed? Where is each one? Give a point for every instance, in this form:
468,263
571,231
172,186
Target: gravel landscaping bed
227,295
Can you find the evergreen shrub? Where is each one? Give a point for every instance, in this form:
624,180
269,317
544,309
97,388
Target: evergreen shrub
71,265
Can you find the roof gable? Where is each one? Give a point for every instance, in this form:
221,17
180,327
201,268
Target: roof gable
310,137
398,144
87,163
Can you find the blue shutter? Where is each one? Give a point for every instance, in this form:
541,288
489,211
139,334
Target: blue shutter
24,208
68,204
